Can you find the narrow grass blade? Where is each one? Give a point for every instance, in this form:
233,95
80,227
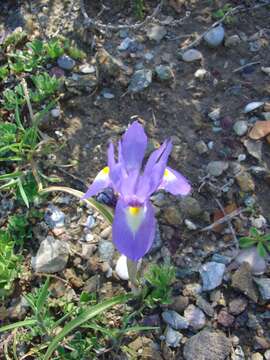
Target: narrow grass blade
29,322
43,295
104,210
10,175
22,192
81,319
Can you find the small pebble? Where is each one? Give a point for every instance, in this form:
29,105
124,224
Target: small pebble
192,55
172,337
65,62
232,41
212,275
240,127
225,319
56,112
175,320
215,36
195,317
121,268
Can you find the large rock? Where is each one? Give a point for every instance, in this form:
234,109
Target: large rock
242,280
52,256
207,345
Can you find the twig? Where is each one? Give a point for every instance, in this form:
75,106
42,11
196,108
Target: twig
229,223
231,12
27,98
246,65
89,22
226,218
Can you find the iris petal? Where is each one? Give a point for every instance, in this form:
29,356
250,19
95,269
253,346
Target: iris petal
174,182
101,181
133,229
134,143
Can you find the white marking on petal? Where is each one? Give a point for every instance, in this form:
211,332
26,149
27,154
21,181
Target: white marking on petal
135,216
169,176
103,174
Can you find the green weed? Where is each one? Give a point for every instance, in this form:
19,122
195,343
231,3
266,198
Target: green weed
255,238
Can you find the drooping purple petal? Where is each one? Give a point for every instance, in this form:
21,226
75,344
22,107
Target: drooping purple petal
133,229
101,181
134,143
174,182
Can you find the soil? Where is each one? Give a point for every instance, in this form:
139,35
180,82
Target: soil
177,109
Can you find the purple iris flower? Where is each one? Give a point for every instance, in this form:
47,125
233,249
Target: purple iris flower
134,222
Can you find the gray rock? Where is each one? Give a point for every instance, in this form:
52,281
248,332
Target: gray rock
254,148
232,41
175,320
172,337
90,222
164,73
264,287
242,280
195,317
140,80
251,256
65,62
52,256
54,217
56,112
240,127
216,168
238,354
212,275
156,33
201,147
125,44
205,306
256,356
214,115
267,355
266,115
207,345
191,55
106,250
221,259
237,305
107,94
215,36
191,207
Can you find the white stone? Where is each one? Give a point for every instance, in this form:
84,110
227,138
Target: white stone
121,268
253,106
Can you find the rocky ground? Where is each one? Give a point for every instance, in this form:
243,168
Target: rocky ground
213,100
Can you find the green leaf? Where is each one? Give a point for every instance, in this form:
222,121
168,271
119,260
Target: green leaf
22,192
261,249
81,319
246,242
104,210
43,295
29,322
254,232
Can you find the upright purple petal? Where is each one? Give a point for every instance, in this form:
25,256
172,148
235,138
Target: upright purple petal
174,182
110,156
133,229
154,157
101,181
150,181
134,143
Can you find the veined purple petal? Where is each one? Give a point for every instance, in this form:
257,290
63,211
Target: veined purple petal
174,182
133,229
134,143
101,181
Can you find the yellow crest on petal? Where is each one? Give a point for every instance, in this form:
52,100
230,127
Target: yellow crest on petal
134,210
106,170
